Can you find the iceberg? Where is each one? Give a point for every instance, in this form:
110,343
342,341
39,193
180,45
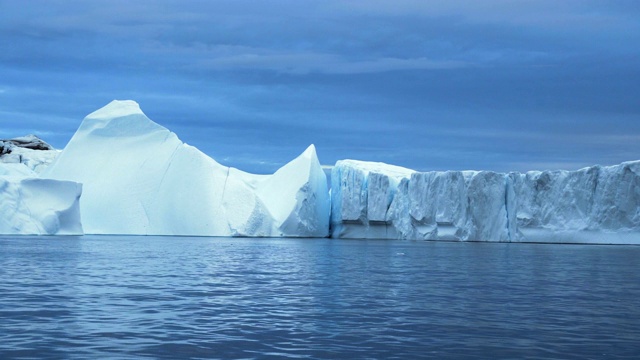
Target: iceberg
124,174
34,206
30,205
591,205
139,178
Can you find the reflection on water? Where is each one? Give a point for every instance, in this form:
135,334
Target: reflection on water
108,296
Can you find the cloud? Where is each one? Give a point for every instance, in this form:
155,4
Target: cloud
425,84
302,63
539,13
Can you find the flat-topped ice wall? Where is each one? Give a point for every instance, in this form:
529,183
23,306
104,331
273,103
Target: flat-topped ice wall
591,205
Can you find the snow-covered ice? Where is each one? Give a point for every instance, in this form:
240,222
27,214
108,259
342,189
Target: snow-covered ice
34,206
139,178
30,205
593,205
29,150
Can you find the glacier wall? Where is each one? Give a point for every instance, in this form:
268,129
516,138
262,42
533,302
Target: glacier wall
140,179
137,178
591,205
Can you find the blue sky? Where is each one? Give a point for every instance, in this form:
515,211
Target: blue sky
432,85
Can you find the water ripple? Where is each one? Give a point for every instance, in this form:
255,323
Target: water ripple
203,298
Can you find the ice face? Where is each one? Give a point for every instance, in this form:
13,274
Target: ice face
452,205
139,178
33,206
596,204
372,200
579,205
362,193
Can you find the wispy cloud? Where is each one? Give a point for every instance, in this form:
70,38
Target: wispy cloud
303,63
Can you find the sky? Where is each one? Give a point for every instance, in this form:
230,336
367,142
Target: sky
431,85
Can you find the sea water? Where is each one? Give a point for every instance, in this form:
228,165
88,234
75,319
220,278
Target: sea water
180,297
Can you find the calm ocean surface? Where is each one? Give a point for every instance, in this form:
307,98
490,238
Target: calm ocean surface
165,297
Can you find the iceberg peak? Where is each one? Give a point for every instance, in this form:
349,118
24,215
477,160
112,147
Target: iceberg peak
116,109
310,152
119,118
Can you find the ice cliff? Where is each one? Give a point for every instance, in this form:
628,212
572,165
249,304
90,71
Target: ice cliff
591,205
361,194
139,178
124,174
30,205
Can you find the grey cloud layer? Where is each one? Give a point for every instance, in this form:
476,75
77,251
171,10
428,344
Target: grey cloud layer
502,85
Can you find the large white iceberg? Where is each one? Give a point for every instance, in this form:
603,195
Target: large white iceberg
592,205
139,178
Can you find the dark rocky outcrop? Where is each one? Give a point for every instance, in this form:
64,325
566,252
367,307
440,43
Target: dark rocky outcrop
28,142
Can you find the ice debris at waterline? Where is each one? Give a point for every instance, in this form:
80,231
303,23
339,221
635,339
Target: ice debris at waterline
140,179
591,205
